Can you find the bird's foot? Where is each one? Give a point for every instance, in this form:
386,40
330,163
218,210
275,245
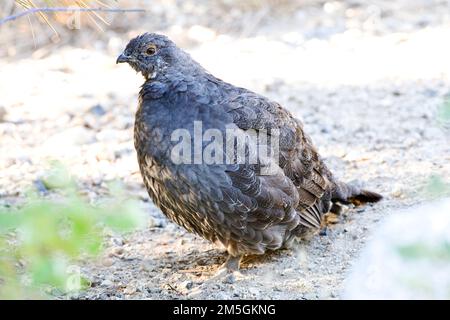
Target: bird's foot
229,270
331,218
337,209
231,265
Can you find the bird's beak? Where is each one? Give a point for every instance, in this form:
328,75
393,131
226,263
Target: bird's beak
122,58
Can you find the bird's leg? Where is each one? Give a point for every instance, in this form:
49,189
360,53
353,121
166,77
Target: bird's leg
230,266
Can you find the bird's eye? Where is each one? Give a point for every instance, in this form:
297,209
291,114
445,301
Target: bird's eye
151,50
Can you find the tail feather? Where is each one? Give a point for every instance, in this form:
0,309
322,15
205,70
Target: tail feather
368,196
349,193
365,196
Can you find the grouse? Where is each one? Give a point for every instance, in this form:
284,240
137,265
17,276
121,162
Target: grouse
249,206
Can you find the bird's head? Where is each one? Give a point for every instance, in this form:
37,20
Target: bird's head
150,54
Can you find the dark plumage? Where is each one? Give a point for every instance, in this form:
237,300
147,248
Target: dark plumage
234,203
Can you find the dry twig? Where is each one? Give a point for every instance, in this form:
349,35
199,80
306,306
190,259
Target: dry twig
57,9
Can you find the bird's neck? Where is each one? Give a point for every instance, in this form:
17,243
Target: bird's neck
173,80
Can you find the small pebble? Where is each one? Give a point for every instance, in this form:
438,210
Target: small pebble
106,283
118,250
397,193
118,241
107,262
253,291
156,223
187,284
147,266
130,290
40,187
310,296
2,113
229,279
98,110
195,293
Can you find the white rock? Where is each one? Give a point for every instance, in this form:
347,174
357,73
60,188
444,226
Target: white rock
408,257
107,283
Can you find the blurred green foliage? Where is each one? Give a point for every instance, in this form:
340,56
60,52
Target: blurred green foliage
437,187
435,254
41,241
444,113
440,252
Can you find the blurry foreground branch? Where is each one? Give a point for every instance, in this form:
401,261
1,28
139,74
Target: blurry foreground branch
43,241
68,9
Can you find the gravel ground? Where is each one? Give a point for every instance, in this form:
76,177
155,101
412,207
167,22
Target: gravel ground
365,80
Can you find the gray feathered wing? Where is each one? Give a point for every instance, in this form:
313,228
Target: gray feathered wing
298,158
